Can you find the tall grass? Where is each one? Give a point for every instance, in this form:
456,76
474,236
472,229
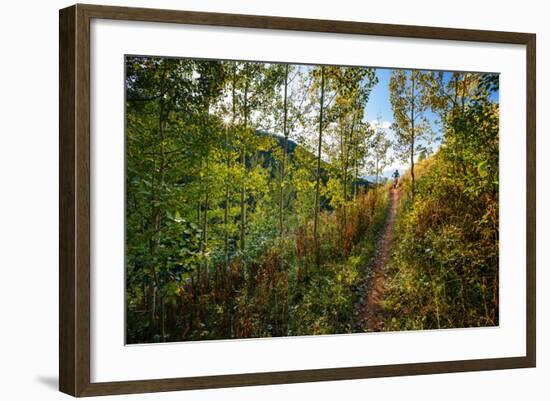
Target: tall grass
281,292
444,267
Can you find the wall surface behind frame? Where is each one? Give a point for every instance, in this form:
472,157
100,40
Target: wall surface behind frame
29,188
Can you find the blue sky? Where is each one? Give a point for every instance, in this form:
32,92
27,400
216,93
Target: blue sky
379,100
379,107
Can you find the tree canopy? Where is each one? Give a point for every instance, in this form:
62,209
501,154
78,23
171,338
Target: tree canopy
250,211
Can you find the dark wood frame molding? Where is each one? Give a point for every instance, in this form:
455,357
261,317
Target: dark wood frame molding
74,199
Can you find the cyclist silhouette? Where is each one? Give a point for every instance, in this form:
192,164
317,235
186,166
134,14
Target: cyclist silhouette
395,176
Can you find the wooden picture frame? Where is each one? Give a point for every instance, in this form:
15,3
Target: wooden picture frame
74,199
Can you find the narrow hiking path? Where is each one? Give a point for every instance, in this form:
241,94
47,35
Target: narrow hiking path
373,286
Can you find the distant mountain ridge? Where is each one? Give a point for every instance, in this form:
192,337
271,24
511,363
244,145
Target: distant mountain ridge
364,182
386,174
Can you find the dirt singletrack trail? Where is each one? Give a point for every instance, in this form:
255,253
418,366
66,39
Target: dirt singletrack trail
374,286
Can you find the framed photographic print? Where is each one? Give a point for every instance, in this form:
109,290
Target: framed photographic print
250,200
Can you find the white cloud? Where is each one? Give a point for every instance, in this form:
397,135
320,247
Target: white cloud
380,124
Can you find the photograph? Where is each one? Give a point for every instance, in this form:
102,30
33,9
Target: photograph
269,199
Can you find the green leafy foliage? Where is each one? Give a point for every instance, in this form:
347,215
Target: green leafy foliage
445,259
248,214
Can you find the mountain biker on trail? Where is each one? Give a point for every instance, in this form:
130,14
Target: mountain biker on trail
395,176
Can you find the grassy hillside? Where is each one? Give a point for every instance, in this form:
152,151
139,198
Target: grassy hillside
444,267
